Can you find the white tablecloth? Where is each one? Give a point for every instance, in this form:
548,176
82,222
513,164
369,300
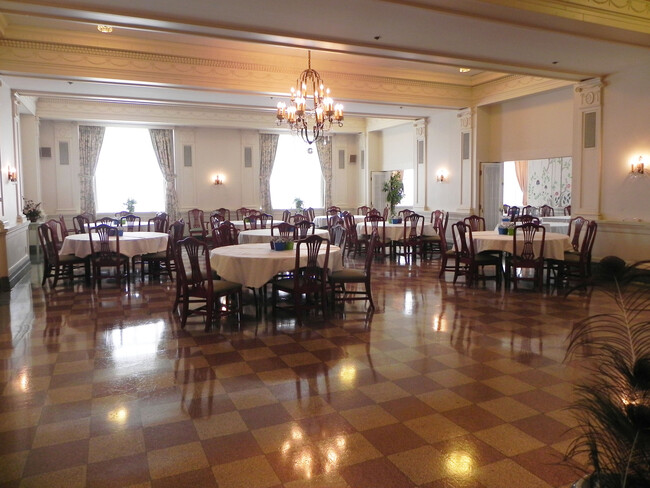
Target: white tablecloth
264,235
556,218
395,232
554,246
254,265
557,227
240,223
131,243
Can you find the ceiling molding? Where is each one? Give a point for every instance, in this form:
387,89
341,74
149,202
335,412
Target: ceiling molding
514,86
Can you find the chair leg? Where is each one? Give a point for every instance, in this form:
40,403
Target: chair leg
369,293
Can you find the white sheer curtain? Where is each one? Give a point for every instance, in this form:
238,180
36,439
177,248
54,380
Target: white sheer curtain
163,146
324,148
268,148
90,144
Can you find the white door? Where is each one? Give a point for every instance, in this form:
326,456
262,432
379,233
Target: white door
378,197
491,193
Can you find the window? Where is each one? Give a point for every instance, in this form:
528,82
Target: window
128,168
409,188
296,174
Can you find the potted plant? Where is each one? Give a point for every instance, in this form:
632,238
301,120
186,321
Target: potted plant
32,210
394,189
612,405
130,205
299,204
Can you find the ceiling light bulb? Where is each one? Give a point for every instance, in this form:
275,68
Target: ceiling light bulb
464,70
105,29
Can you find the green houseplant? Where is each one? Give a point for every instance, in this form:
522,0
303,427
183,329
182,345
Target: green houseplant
612,405
298,203
394,189
130,205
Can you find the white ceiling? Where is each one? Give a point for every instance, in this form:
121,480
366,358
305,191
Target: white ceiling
413,40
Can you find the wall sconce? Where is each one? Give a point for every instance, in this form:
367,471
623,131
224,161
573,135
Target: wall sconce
442,175
12,175
218,180
637,167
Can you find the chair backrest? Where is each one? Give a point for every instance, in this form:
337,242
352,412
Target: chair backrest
225,212
266,220
405,213
333,210
228,234
350,228
513,212
588,241
286,215
310,214
386,212
363,210
215,219
373,244
505,209
546,211
121,214
439,219
413,226
523,249
528,210
297,218
575,231
526,219
567,210
375,224
100,238
107,221
64,228
475,222
193,266
131,223
80,224
45,236
463,241
374,211
159,223
175,234
251,221
333,220
311,275
283,229
302,229
57,232
338,235
242,212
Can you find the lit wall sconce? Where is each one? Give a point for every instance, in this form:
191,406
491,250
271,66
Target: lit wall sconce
442,175
218,180
12,175
637,167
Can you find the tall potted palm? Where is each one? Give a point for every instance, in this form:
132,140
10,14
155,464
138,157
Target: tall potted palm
394,189
612,405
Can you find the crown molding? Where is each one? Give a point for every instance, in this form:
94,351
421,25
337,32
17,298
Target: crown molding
514,86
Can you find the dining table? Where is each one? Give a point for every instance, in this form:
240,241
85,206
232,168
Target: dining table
321,220
555,244
253,265
395,232
264,235
131,243
239,224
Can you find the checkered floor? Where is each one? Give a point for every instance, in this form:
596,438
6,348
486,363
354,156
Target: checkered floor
443,386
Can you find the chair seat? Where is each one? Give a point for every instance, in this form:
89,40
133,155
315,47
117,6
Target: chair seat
221,287
430,238
348,275
572,257
67,259
155,255
483,259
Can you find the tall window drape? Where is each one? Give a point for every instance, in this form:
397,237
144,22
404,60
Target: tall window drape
268,148
163,146
521,169
324,148
90,144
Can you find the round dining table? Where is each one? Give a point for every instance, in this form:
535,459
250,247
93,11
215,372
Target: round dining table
239,224
131,243
264,235
254,265
321,220
395,232
554,244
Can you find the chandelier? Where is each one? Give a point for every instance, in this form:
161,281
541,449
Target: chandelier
310,121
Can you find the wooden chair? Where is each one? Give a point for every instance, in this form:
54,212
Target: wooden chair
431,243
447,254
227,235
546,211
64,228
166,257
375,224
386,212
301,229
159,223
198,287
107,221
363,210
215,220
353,243
524,255
123,213
224,212
348,276
103,256
80,223
307,280
297,218
577,263
196,224
55,265
567,210
333,210
526,219
575,233
310,214
402,214
266,220
513,212
251,221
131,223
334,220
505,209
338,236
475,222
286,215
374,211
57,232
242,212
413,225
283,229
469,263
